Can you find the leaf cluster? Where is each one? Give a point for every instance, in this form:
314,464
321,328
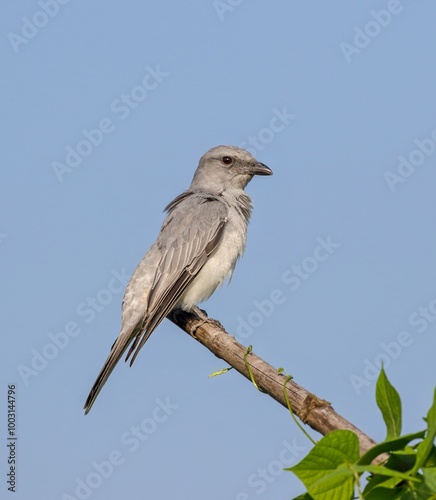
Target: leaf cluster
333,469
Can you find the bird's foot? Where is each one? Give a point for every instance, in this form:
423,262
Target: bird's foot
204,318
201,313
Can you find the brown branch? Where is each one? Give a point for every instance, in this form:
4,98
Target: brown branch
313,411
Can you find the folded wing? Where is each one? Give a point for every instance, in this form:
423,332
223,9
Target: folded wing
189,236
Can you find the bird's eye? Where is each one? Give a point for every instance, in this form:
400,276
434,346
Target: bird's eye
227,160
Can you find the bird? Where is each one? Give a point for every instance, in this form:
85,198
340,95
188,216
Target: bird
200,241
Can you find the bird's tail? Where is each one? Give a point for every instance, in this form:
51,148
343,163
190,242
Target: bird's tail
118,348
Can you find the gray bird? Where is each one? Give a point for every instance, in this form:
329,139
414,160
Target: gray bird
199,243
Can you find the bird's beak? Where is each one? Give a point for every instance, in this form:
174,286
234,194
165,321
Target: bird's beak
260,169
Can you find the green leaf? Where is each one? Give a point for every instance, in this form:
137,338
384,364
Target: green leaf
389,402
430,478
324,471
403,460
385,494
425,448
388,446
338,485
383,471
431,459
377,482
404,490
422,491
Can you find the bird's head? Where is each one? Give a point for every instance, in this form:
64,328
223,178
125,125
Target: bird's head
227,167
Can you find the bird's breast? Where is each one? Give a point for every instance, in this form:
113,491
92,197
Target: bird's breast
220,264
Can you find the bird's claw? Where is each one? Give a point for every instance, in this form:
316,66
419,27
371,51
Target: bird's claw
204,318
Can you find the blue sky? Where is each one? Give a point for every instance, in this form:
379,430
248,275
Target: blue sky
106,111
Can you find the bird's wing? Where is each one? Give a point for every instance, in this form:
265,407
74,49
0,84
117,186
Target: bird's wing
189,235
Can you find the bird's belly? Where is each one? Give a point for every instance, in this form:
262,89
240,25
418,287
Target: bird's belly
219,266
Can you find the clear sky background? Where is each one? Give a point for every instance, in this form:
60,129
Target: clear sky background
354,168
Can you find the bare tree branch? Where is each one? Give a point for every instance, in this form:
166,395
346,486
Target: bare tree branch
313,411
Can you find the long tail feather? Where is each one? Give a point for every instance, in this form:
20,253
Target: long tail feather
115,355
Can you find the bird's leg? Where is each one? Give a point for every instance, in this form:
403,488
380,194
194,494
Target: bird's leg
202,314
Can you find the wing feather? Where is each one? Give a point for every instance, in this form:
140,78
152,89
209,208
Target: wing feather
189,235
180,267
